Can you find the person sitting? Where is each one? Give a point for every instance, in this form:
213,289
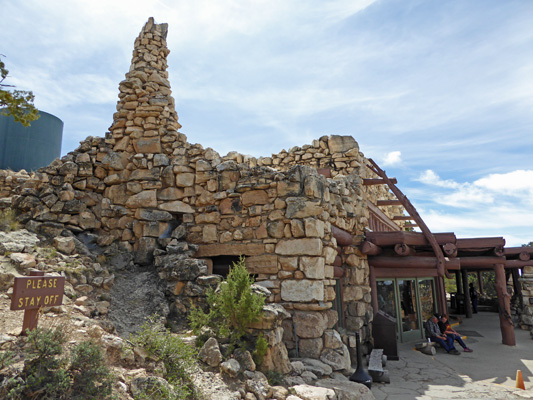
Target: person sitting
446,328
434,334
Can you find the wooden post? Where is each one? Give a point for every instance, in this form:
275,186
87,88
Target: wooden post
468,302
517,287
458,282
31,316
442,306
480,281
373,290
504,300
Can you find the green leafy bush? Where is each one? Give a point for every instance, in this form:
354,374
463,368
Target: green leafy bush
177,356
261,348
43,376
233,306
48,376
91,379
275,378
6,359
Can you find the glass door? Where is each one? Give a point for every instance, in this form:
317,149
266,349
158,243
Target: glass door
410,300
409,312
387,299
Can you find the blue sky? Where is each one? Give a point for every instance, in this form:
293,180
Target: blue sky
439,93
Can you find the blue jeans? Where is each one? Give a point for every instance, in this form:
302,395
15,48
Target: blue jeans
459,340
447,345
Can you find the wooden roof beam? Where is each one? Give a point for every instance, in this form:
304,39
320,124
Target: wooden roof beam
441,264
449,249
522,253
411,262
402,218
481,262
408,238
404,250
480,243
389,203
378,181
518,263
370,248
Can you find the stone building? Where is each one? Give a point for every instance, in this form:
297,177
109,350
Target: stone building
301,217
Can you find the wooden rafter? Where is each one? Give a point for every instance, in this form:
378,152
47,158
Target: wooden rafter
388,203
441,262
402,218
409,238
371,181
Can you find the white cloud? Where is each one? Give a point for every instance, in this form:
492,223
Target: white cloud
393,158
518,182
495,205
429,177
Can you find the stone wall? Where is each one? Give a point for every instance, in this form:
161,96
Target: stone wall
526,317
147,189
10,184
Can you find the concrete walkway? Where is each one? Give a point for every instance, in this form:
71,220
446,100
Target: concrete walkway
487,373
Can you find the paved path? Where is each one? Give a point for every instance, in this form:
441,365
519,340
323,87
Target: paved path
487,373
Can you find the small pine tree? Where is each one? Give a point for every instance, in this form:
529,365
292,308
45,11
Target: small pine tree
233,306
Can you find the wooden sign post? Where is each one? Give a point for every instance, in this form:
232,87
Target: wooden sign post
31,293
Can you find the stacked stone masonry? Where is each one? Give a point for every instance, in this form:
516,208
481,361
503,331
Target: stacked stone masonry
144,187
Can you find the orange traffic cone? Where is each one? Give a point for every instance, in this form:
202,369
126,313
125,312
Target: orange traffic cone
519,380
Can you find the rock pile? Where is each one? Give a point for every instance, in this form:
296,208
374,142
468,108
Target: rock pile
10,183
308,378
87,282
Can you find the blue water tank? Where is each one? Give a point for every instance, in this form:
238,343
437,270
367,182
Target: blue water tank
31,147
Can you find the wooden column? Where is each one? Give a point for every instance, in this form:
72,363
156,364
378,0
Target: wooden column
504,300
480,281
442,305
458,282
468,302
373,290
517,287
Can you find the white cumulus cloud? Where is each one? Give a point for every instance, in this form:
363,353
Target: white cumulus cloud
393,158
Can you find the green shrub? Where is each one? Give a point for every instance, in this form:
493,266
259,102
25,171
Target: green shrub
177,356
6,359
275,378
43,376
8,222
261,348
233,306
48,376
91,379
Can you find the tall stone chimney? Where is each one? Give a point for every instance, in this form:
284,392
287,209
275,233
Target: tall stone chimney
146,121
141,141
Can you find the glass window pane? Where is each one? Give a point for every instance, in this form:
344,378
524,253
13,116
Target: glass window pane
386,299
408,305
427,297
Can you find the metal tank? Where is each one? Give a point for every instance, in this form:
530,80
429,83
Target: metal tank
31,147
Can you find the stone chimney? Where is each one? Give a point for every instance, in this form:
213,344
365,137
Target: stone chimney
146,121
142,140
